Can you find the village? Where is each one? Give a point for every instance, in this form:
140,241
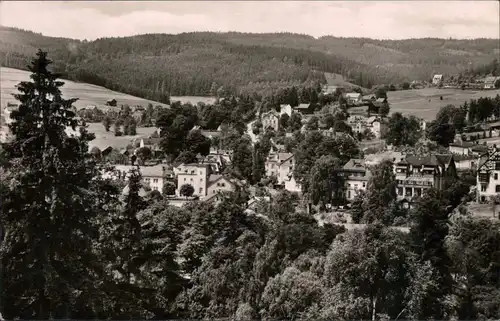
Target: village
368,122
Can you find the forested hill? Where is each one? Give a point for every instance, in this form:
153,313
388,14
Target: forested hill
202,63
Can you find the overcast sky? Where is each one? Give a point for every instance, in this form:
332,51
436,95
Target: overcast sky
381,19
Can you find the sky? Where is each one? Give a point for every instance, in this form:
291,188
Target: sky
372,19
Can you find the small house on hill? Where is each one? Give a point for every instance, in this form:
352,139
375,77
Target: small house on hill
491,82
353,98
437,79
305,109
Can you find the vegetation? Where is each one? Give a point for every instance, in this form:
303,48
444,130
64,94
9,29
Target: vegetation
155,66
75,247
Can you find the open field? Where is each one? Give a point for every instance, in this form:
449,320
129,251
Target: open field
104,139
425,103
87,94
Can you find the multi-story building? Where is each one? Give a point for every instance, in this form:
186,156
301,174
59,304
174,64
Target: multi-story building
354,98
204,182
152,176
416,174
270,119
195,175
356,177
488,172
280,165
286,109
377,125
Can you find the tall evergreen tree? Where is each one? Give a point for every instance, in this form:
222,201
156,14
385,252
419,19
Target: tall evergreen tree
46,210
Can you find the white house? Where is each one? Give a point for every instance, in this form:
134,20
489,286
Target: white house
286,109
354,98
491,82
488,176
292,185
280,165
437,79
195,175
356,178
153,176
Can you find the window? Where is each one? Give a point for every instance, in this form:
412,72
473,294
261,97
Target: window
201,179
201,190
496,176
155,180
483,188
364,184
497,189
191,179
147,179
184,179
201,173
400,191
355,186
222,184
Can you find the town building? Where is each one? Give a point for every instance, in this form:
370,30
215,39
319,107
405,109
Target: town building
305,109
359,124
488,172
416,174
203,180
286,109
356,177
279,165
329,89
353,98
153,176
195,175
270,119
491,82
437,80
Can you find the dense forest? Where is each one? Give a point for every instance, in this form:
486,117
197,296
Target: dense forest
155,66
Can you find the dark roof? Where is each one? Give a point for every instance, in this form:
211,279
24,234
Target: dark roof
429,160
462,144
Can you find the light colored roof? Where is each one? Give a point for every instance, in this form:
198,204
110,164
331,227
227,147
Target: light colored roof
355,165
303,106
353,95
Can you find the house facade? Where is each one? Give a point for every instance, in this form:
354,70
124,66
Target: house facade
437,80
353,98
153,176
305,109
286,109
491,82
270,119
195,175
416,174
488,176
280,165
356,177
377,125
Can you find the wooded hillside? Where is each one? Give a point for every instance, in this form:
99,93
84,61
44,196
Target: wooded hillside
154,66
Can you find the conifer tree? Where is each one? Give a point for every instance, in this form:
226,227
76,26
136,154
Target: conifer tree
46,209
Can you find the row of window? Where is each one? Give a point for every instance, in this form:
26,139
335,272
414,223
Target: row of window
356,185
405,182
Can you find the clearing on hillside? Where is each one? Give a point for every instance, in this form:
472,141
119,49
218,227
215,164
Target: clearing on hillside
338,80
426,102
88,95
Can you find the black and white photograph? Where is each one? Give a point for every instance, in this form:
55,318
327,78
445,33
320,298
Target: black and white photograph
250,160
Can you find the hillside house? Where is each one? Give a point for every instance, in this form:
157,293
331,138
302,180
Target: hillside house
465,162
437,79
356,177
270,119
329,89
195,175
220,183
491,82
152,176
353,98
286,109
305,109
488,172
377,125
416,174
279,165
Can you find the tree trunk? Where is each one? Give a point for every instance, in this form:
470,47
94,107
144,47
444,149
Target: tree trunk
374,308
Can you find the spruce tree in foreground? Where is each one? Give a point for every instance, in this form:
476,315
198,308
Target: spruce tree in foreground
46,208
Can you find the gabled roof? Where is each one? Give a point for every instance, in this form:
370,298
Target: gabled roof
353,95
355,165
303,106
442,160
